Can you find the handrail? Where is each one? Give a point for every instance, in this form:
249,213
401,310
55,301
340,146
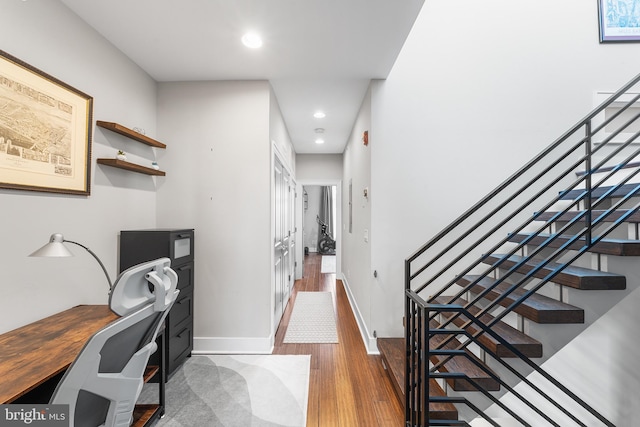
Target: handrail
609,161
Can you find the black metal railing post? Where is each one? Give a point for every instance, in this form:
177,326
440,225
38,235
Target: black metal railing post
588,184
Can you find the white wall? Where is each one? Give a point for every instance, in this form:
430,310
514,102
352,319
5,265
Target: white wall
218,182
324,167
220,163
476,91
46,35
279,134
357,270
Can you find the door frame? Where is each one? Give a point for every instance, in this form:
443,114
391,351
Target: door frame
300,213
277,156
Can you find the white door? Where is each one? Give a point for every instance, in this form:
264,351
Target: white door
282,239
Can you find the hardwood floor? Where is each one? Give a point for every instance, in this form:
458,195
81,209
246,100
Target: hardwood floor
348,387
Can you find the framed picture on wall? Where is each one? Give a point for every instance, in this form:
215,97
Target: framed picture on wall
45,131
619,20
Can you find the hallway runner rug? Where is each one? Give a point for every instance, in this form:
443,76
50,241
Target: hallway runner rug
328,264
236,391
313,319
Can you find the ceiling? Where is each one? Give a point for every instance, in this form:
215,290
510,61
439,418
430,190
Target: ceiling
317,54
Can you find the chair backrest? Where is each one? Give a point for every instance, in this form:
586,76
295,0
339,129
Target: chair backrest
103,383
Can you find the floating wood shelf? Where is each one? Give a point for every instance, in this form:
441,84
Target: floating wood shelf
121,164
129,133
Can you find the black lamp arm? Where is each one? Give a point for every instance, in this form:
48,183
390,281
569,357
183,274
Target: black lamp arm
97,259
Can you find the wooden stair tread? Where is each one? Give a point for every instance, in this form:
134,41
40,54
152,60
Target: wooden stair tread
461,364
392,352
598,192
630,165
618,247
572,276
528,346
613,216
538,308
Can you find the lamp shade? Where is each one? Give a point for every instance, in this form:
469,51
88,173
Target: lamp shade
55,248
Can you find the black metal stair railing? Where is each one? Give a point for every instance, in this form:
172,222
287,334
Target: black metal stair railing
581,171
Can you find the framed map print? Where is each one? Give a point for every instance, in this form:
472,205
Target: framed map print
45,131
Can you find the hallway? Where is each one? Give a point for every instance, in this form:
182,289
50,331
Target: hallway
348,387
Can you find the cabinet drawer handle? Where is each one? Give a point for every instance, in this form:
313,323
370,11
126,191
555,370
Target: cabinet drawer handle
183,300
182,332
183,236
184,267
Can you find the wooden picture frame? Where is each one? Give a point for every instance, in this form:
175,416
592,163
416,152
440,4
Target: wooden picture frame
45,131
619,21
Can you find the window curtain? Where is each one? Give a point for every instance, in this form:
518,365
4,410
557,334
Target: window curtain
326,210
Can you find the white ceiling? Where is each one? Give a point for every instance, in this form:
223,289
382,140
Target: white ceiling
317,54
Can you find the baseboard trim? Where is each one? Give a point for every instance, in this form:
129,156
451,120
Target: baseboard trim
232,345
250,345
368,340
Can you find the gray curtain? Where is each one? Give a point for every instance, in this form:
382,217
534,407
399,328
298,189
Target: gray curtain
326,210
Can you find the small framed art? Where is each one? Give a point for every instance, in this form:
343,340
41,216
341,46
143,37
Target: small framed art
619,20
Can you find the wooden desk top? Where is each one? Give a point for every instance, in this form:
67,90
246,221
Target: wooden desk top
34,353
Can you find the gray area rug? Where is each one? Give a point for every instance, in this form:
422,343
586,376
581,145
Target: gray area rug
313,319
236,391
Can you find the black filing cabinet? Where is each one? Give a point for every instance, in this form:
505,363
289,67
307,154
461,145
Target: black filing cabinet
138,246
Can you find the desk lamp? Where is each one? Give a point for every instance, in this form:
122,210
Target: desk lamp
56,248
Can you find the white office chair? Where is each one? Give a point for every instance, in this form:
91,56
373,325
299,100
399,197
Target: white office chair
103,383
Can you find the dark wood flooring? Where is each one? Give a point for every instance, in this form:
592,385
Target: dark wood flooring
348,387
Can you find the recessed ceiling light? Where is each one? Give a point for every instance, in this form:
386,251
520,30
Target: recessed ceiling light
252,40
319,115
319,141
